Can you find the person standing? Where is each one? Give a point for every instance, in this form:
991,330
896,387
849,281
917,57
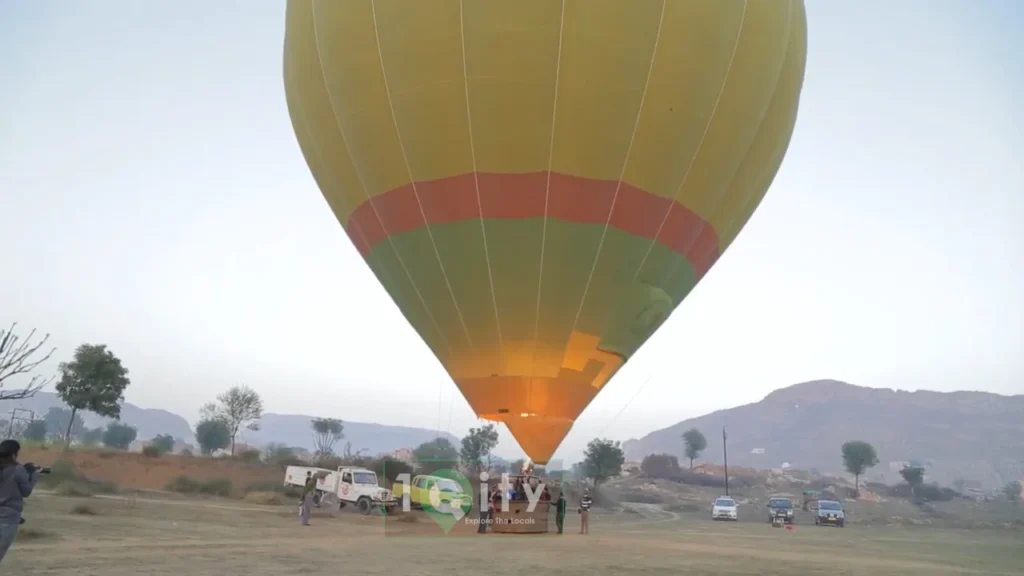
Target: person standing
585,505
307,498
486,511
16,483
560,505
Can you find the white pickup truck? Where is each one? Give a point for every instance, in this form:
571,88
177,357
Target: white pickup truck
357,486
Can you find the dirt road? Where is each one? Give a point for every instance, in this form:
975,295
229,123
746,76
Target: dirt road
124,537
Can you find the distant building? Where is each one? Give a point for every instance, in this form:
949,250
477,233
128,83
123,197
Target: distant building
403,454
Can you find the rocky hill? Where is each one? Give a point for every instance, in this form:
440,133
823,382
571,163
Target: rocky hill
292,430
976,437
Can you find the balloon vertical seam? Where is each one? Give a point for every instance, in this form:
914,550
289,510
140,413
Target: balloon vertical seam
362,182
547,195
412,181
700,144
625,164
476,184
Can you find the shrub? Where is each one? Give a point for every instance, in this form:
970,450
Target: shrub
289,491
33,534
251,455
281,456
83,510
216,487
66,481
268,498
686,507
73,488
935,493
640,497
660,466
152,451
183,485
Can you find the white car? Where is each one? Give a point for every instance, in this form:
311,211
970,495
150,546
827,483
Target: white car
724,508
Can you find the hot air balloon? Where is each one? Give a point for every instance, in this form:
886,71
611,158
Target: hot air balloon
538,184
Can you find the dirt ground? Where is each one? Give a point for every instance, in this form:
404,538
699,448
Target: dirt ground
121,536
136,471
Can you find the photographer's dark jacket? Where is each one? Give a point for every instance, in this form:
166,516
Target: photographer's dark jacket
15,485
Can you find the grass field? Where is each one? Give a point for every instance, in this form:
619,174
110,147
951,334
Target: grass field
121,536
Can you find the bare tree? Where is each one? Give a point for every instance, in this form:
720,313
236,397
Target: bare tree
19,357
239,407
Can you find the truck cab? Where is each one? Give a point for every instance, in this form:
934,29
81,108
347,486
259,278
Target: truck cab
349,485
359,486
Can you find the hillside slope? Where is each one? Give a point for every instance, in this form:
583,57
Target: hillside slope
973,436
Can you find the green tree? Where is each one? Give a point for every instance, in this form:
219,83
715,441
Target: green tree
239,407
57,419
663,466
477,447
694,443
20,358
326,432
914,475
1012,491
212,435
119,436
858,456
94,380
280,455
602,460
164,443
35,431
437,454
92,436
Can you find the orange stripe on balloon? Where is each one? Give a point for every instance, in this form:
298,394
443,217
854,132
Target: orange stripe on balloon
517,196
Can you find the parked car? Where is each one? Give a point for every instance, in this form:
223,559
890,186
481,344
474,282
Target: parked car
724,508
780,508
830,512
435,492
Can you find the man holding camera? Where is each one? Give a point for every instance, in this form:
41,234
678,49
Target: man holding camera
16,483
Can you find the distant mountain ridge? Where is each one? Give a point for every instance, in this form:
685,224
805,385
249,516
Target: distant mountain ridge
972,436
292,430
148,421
370,438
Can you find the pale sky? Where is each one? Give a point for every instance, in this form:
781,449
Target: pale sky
153,198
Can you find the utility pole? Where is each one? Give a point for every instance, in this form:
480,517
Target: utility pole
725,455
14,417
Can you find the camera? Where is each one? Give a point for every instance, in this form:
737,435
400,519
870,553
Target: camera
30,467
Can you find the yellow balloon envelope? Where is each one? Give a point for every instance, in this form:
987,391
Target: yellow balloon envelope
539,183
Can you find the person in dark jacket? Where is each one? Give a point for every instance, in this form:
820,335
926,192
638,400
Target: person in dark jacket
560,506
308,490
585,503
16,483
